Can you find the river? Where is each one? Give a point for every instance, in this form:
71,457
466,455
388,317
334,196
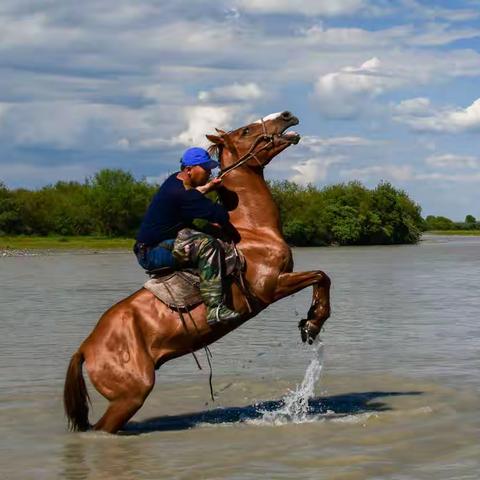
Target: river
394,387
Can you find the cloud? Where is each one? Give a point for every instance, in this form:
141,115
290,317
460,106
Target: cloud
304,7
314,170
69,124
345,93
449,160
406,173
450,177
442,34
414,107
202,120
418,114
435,12
13,174
406,35
232,93
321,143
380,172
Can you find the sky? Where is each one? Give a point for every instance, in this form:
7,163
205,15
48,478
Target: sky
384,90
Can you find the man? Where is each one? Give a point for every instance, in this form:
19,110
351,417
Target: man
165,238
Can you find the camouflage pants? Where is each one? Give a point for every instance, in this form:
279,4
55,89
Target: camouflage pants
199,250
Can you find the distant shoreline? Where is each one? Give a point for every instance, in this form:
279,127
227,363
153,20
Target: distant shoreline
465,233
23,246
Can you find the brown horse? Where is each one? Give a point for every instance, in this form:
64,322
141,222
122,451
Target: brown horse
140,333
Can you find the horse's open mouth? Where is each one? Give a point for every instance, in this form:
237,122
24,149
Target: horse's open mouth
292,137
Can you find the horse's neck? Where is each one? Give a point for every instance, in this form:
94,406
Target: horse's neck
255,208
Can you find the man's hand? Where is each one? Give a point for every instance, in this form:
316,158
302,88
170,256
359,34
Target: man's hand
211,185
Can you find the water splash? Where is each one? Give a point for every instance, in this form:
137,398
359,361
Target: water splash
295,404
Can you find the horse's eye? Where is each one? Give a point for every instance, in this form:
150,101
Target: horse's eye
245,131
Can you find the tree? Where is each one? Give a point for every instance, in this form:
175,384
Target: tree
118,201
439,223
10,218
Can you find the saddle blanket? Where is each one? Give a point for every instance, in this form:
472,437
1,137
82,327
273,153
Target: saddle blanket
179,290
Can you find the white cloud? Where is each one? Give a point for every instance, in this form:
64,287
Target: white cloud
344,93
440,120
203,120
35,30
63,124
314,169
306,7
4,107
452,177
380,172
407,35
232,93
415,107
451,161
321,143
441,34
435,12
14,174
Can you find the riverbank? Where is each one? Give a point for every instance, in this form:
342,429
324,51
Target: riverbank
468,233
14,246
31,245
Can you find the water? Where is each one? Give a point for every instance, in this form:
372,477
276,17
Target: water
295,406
393,393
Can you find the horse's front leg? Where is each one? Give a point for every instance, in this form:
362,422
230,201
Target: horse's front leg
290,283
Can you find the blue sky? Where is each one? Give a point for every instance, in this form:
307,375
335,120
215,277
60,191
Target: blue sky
385,90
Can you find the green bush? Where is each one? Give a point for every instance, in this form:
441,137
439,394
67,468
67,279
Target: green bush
113,202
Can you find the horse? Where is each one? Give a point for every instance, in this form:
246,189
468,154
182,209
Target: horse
136,336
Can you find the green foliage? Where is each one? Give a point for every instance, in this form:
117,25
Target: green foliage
347,214
113,202
439,223
9,211
445,224
118,201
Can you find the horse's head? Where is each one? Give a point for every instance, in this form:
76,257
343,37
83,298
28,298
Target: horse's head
256,144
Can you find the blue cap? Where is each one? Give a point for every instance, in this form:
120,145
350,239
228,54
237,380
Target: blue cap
198,156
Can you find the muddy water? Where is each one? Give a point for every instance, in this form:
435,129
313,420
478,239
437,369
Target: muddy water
393,392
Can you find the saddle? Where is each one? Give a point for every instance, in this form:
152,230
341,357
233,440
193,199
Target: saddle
180,289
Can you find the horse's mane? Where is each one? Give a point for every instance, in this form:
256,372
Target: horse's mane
215,150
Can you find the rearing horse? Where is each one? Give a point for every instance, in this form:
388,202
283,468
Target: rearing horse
140,333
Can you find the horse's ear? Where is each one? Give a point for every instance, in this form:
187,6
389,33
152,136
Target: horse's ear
220,131
215,139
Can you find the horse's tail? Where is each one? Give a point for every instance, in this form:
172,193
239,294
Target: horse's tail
75,395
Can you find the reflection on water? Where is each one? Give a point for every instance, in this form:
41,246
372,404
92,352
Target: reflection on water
397,397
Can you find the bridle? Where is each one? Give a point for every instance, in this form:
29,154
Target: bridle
269,138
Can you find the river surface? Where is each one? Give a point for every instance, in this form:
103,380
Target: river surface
393,392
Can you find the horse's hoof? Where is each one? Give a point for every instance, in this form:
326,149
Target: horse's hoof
308,332
304,333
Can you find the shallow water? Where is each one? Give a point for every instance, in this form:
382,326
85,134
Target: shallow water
397,397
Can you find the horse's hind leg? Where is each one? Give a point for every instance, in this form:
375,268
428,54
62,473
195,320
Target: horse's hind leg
119,412
290,283
126,386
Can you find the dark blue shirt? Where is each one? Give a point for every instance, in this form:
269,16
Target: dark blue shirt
173,207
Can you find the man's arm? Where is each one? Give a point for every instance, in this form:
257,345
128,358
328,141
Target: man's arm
211,185
196,205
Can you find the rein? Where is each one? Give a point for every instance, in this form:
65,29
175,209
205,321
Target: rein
251,154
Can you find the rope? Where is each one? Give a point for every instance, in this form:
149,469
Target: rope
208,353
182,318
251,154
